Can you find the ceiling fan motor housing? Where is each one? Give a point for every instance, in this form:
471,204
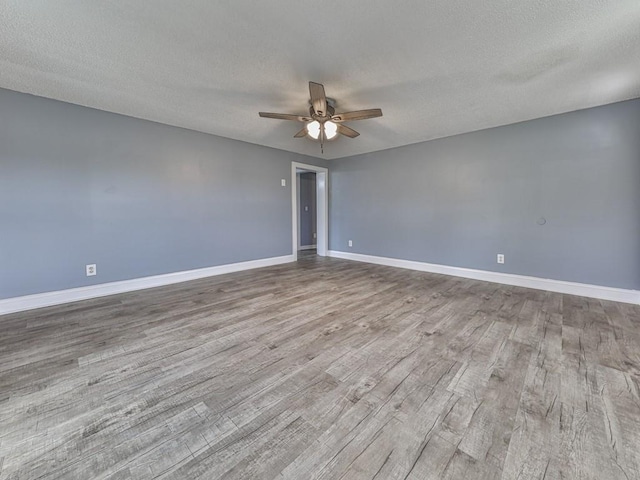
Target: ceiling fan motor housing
327,116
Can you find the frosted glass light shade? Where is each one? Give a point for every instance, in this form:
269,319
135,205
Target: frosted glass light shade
313,129
330,130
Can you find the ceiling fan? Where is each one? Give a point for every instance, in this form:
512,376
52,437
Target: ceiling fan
323,123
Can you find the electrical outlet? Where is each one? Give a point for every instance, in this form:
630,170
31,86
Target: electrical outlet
91,270
315,235
351,243
283,182
500,258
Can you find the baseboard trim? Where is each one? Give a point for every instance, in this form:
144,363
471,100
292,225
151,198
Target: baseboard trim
559,286
47,299
307,247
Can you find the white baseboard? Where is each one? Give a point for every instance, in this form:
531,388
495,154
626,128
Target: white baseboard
307,247
29,302
559,286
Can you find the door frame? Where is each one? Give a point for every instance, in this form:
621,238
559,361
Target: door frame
322,207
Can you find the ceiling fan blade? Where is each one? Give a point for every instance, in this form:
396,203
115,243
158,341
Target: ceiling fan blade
301,133
285,116
318,98
347,132
357,115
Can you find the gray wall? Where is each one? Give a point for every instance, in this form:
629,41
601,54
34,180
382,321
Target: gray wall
307,217
80,186
460,201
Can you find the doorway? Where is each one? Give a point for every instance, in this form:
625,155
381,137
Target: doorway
307,212
309,180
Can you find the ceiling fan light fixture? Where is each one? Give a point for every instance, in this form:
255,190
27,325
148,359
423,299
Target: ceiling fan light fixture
313,129
329,124
330,130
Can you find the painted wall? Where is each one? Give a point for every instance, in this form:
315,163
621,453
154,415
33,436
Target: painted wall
558,196
307,216
81,186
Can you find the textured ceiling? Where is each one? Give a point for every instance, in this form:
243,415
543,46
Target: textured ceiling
436,68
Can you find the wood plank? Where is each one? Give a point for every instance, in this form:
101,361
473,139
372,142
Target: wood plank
323,369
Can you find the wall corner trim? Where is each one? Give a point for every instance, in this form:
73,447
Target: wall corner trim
558,286
47,299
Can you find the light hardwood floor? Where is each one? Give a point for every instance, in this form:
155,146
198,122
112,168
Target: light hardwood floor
324,369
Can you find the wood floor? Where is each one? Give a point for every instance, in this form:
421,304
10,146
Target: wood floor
324,369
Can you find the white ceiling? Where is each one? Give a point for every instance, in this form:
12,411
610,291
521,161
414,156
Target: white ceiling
436,68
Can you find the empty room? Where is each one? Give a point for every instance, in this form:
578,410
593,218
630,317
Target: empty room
296,240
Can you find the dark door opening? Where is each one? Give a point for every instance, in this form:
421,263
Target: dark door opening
307,213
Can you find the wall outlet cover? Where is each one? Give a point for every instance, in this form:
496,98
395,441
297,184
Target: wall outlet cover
351,243
500,258
283,182
91,270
